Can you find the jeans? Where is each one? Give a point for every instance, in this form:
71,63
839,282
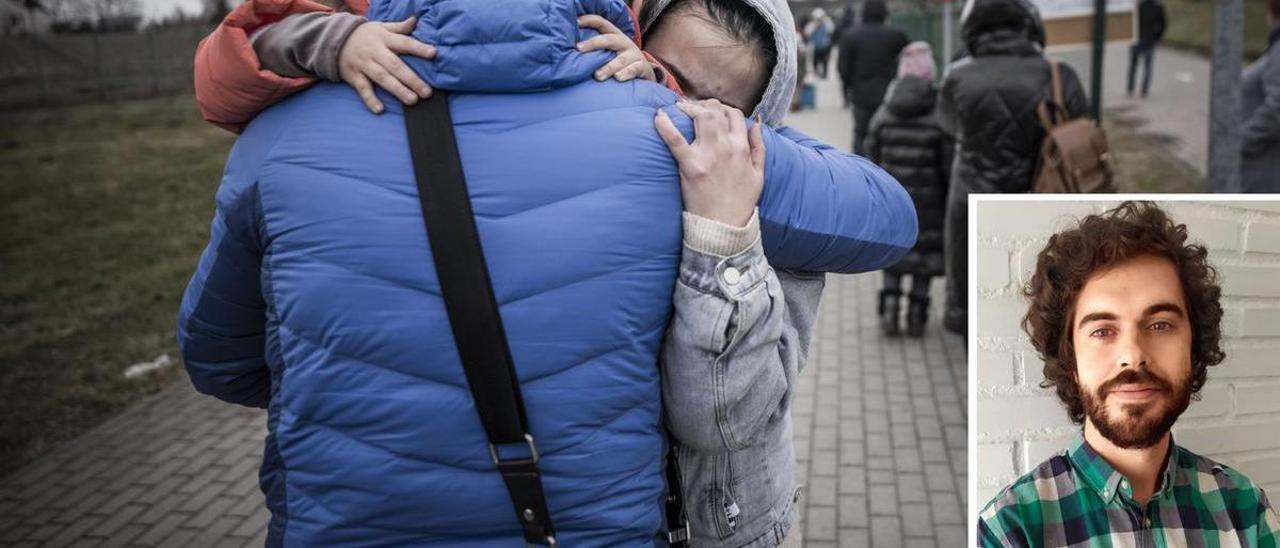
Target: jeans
861,122
1146,53
820,57
919,284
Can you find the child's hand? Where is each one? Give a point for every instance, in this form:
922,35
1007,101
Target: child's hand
371,53
629,62
722,170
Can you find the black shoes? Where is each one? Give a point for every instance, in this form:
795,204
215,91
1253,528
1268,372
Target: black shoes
917,316
888,311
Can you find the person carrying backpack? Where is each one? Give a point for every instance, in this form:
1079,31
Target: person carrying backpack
989,102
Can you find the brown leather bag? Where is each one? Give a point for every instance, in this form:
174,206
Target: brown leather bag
1074,155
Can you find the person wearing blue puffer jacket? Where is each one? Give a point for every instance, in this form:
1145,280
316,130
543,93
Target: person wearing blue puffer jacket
315,299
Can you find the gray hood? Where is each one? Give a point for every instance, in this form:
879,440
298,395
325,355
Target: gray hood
776,101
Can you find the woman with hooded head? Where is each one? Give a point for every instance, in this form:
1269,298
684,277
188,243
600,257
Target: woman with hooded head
988,103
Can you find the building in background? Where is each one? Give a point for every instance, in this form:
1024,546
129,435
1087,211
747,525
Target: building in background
1069,22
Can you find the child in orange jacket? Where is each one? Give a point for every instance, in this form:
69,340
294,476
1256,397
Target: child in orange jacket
266,50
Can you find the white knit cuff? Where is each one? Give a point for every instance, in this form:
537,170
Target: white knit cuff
719,239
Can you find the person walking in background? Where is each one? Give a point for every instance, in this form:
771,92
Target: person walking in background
847,16
868,62
1151,25
988,103
1260,112
819,32
906,140
802,69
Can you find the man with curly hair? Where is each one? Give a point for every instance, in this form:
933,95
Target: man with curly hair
1125,314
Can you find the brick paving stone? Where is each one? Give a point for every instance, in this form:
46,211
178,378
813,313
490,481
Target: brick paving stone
126,534
74,531
162,529
210,535
920,542
886,531
854,537
821,523
180,537
11,533
254,524
118,520
88,503
916,520
219,508
853,511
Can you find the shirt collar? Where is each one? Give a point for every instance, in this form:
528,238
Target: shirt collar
1106,481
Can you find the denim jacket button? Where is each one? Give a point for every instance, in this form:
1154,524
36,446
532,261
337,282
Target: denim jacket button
732,276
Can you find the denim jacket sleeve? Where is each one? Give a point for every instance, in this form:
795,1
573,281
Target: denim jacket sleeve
722,358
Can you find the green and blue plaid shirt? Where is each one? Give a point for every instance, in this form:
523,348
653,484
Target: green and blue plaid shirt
1076,499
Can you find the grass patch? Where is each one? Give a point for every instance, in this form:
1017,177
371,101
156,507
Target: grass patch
1190,26
1144,160
106,208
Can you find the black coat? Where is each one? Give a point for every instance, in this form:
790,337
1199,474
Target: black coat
988,100
1150,22
905,140
869,61
988,103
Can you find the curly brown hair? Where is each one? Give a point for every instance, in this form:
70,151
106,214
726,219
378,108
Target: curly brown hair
1099,241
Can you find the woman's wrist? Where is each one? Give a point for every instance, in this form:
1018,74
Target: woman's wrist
719,239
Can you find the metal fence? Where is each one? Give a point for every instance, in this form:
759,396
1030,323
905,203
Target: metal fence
93,66
926,25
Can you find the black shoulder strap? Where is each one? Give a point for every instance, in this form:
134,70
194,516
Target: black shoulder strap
473,311
677,518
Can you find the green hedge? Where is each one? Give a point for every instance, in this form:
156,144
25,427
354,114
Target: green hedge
1191,26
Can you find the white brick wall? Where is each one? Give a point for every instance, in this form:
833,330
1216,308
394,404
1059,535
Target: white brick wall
1237,421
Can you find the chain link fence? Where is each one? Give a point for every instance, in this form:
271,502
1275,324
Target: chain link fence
52,69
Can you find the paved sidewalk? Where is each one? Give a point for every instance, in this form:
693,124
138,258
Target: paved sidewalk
179,469
1177,107
879,426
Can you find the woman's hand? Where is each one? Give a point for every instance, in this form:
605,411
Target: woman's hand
629,61
371,55
722,171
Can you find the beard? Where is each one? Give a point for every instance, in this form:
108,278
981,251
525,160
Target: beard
1137,425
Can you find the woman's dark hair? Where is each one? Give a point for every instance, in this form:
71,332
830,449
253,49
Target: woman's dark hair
1273,6
1098,242
741,22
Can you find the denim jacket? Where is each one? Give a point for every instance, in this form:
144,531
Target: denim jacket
732,353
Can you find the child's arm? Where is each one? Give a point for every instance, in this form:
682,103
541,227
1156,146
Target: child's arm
344,47
231,87
266,50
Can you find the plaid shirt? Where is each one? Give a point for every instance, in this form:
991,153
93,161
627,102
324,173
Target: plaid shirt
1076,499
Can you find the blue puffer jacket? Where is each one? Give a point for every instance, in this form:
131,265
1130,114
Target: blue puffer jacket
316,297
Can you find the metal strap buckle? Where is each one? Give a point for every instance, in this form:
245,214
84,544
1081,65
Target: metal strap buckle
679,535
533,450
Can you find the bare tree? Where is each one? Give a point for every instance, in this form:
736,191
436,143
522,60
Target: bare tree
96,12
